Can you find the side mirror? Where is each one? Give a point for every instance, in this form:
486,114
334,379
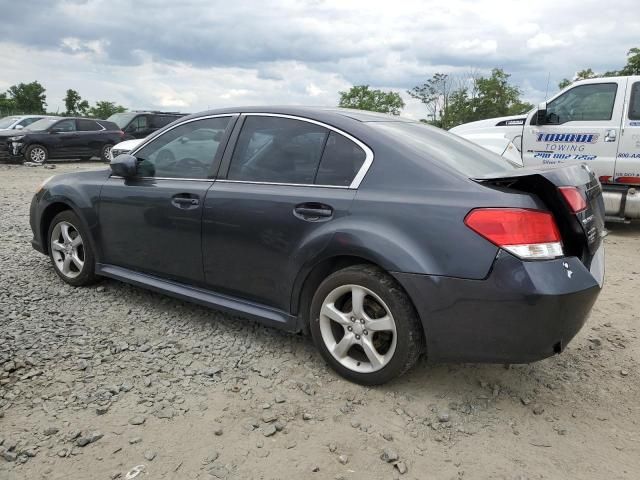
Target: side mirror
541,115
18,127
124,165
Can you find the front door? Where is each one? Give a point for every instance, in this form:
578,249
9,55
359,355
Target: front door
628,160
152,223
288,182
65,140
582,126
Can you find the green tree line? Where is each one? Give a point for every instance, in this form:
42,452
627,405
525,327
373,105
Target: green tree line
451,100
31,98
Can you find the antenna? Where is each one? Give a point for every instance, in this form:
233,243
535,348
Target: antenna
546,92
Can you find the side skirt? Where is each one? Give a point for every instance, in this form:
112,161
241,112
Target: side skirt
270,317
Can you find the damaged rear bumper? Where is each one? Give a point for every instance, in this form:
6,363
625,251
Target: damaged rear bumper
522,312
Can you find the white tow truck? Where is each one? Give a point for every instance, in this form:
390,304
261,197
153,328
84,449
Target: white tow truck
595,122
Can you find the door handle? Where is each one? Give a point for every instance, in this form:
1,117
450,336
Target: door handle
185,201
610,136
313,212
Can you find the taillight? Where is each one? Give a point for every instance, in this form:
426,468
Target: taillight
528,234
574,198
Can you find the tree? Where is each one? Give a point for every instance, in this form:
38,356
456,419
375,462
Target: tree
104,109
28,97
74,103
434,93
633,63
363,98
452,101
6,105
581,75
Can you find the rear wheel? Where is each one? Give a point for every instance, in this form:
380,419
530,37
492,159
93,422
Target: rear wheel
36,154
365,326
70,250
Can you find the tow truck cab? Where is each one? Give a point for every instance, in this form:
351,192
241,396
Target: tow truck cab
595,122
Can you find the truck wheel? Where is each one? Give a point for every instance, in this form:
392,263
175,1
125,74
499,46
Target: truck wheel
36,154
365,325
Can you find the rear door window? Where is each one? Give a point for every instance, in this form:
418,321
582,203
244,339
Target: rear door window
634,102
88,126
341,161
277,150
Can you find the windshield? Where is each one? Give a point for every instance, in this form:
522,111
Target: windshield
445,147
6,122
121,119
42,124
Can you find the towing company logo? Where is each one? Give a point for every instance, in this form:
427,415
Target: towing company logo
568,137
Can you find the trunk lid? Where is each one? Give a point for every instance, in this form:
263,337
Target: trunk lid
581,232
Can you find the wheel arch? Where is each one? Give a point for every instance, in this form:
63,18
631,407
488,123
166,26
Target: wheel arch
50,212
307,283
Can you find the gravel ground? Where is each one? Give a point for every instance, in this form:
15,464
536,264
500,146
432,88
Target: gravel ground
96,381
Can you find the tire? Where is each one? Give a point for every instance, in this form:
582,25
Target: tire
63,246
105,153
397,342
37,154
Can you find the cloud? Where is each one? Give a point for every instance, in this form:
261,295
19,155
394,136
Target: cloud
197,54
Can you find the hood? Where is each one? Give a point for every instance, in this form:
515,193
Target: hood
509,121
128,145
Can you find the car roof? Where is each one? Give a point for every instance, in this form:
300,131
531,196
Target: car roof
318,113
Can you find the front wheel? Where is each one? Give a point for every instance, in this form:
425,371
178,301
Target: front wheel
365,326
105,153
70,250
36,154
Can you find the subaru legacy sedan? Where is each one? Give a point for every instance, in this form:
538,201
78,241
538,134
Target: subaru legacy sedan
382,237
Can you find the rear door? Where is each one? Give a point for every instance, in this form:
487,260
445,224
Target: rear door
91,136
282,188
64,140
582,126
627,169
152,223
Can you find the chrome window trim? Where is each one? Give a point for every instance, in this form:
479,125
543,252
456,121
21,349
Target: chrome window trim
282,184
149,140
167,178
355,183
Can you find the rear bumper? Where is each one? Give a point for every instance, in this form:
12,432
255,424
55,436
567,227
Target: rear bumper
522,312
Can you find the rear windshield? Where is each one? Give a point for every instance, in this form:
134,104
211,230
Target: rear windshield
466,157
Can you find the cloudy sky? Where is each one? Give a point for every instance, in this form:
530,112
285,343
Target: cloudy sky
190,55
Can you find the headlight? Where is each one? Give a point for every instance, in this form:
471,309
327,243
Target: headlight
17,138
41,186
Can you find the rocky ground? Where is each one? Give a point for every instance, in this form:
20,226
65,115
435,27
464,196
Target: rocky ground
114,382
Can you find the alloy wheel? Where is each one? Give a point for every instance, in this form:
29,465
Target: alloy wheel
106,152
37,155
358,328
67,249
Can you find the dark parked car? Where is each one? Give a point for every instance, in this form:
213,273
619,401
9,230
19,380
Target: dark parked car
140,124
60,137
383,237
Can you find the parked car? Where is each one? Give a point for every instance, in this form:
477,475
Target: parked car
18,122
58,137
125,147
382,237
140,124
594,121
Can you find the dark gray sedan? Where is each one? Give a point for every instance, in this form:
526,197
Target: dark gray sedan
382,237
